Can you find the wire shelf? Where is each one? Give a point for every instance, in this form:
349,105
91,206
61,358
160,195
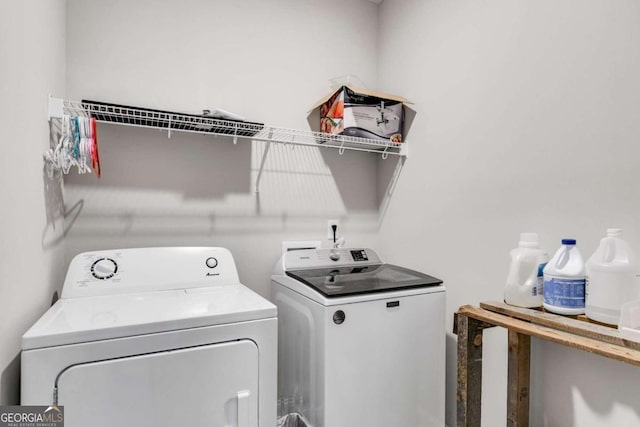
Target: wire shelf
178,122
202,124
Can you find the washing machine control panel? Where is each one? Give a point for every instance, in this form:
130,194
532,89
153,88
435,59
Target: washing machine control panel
146,270
359,255
319,258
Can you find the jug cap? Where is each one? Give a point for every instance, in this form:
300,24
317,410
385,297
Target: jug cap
528,240
568,241
614,232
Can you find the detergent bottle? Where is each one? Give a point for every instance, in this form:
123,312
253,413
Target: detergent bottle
524,281
564,280
611,278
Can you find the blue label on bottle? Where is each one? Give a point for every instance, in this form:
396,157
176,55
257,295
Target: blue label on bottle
541,268
565,293
538,289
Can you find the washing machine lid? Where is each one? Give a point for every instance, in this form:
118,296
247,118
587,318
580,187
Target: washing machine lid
362,279
78,320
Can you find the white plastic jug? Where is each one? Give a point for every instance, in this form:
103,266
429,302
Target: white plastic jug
564,280
629,325
524,281
611,278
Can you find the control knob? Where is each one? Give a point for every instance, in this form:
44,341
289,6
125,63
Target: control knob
104,268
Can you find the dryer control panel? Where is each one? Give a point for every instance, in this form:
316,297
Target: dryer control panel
123,271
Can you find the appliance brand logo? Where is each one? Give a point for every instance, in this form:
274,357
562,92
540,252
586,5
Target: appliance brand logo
31,416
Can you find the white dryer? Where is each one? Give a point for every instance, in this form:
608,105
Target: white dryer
154,337
361,342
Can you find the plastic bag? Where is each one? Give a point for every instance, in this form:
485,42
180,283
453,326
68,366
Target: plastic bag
293,420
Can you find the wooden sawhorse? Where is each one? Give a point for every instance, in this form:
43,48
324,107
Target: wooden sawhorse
522,324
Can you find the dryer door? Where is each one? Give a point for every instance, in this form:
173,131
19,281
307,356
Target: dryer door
213,385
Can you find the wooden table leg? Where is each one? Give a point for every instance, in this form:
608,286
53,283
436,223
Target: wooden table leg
469,332
518,380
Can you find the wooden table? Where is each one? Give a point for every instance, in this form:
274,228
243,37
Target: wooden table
522,324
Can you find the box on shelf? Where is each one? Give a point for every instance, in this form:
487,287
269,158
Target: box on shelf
362,113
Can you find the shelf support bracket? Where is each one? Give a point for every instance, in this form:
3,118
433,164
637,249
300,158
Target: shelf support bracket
386,199
169,131
264,159
56,108
385,153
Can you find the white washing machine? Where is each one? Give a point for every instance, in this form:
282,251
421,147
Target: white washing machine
154,337
361,342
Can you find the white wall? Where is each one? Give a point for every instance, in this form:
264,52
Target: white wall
527,121
31,251
267,60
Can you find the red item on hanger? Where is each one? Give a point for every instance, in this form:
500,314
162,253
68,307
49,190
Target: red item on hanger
95,157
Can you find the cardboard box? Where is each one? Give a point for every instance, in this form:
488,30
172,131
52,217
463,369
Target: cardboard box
362,113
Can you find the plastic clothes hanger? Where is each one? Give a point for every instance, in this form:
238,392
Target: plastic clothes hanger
66,150
86,143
